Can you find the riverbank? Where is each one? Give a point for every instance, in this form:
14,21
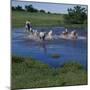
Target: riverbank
41,20
29,73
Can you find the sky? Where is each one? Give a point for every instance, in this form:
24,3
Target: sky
52,7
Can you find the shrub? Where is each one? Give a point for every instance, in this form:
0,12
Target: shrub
16,59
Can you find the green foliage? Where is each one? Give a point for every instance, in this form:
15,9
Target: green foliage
42,11
77,15
13,8
30,8
49,12
17,8
33,74
16,59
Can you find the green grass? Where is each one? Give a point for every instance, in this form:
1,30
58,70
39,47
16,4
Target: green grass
37,19
29,73
41,20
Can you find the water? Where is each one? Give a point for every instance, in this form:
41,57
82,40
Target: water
68,50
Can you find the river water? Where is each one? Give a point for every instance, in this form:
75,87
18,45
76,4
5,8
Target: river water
68,50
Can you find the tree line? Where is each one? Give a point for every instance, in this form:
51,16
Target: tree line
75,15
28,8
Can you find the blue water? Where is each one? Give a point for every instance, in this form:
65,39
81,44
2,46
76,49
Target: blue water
67,49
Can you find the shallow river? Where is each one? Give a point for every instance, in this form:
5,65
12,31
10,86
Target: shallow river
68,50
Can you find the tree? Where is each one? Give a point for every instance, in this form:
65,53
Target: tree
42,11
13,8
19,8
77,15
30,8
49,12
35,10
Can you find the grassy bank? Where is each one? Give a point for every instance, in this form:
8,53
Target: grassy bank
40,19
28,73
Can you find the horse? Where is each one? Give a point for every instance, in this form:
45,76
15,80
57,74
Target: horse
42,35
65,34
74,35
28,26
49,35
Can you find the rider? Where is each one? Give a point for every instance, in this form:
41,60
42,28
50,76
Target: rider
28,26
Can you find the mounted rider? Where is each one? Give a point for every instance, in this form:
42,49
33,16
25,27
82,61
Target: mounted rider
28,26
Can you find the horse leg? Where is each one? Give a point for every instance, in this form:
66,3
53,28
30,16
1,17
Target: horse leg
40,37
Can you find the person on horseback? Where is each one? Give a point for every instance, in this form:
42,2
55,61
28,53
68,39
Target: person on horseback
28,26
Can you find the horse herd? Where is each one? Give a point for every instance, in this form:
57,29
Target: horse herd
49,35
73,35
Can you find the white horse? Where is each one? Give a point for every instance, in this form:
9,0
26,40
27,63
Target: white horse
42,35
49,35
65,34
74,35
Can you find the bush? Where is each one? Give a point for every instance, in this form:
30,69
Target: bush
77,15
16,59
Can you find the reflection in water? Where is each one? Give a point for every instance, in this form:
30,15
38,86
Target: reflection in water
74,43
43,46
